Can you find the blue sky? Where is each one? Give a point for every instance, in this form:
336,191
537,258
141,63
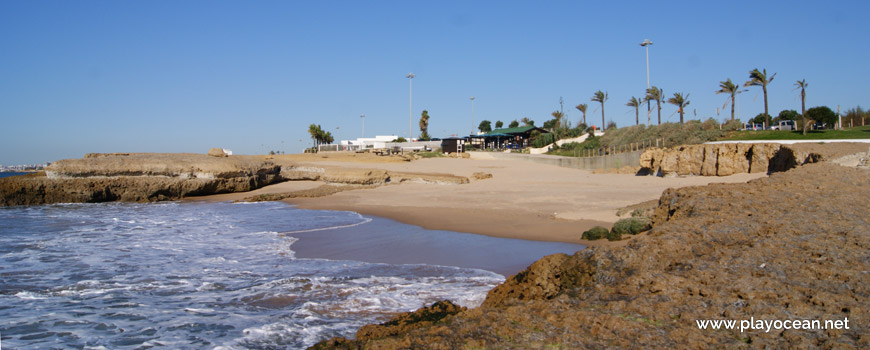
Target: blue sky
184,76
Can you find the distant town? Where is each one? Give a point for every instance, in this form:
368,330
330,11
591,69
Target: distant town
22,168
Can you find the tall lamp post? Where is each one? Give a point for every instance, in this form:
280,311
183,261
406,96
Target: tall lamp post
472,115
410,77
363,117
646,43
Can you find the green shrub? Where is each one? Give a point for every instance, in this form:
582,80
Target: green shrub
613,236
594,233
631,226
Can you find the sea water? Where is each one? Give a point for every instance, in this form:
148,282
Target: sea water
198,275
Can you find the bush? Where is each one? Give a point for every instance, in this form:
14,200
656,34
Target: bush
594,233
631,226
613,236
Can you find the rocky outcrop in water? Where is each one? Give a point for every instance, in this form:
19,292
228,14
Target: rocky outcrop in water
730,159
137,177
791,246
145,177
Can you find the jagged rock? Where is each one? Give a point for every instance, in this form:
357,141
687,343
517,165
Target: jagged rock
544,279
407,321
217,152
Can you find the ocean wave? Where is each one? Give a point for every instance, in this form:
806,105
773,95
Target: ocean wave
365,220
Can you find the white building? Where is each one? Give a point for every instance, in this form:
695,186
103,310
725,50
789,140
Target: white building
379,141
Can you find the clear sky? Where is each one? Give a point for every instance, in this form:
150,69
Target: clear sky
185,76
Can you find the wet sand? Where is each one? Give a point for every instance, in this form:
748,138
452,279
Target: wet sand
387,241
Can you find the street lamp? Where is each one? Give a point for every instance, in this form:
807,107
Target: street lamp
472,115
410,77
363,117
646,43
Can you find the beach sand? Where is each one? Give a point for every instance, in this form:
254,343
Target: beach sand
521,200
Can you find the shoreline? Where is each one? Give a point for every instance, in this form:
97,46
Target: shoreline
521,200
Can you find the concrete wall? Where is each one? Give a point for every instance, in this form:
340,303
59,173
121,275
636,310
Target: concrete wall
588,163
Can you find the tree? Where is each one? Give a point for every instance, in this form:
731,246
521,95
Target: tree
787,114
681,102
582,108
759,78
400,139
635,102
326,137
424,126
551,124
557,115
514,124
759,119
314,131
600,97
802,84
822,114
728,87
499,124
485,126
655,94
527,122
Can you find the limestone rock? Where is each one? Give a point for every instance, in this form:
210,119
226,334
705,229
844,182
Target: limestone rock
407,321
217,152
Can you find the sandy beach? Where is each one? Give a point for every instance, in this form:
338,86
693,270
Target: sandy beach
521,200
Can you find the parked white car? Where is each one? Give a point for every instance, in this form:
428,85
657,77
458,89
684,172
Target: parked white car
784,125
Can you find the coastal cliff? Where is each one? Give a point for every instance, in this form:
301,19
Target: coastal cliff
790,246
730,158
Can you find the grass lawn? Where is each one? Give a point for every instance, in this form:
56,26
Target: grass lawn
860,132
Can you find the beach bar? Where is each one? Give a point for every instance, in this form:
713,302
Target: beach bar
518,137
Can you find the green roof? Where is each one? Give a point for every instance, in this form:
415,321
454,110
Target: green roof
517,130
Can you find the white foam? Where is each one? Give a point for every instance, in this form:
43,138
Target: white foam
365,220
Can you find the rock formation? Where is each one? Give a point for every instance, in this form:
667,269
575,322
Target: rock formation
790,246
145,177
137,177
729,159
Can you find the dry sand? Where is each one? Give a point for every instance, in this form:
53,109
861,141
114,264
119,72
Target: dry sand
522,199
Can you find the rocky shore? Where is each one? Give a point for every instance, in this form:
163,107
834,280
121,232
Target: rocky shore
149,177
790,246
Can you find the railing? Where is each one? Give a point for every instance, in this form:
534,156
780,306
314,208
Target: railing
624,148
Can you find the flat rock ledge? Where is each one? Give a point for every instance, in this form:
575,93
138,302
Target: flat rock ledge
149,177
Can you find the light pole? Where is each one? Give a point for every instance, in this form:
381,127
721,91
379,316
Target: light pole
646,43
472,115
410,77
363,117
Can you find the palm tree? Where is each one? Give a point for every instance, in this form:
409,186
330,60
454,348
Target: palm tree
424,125
600,96
728,87
802,84
759,78
681,102
635,102
314,131
655,94
558,116
582,108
